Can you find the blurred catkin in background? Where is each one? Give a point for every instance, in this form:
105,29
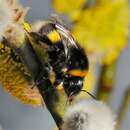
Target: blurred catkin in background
102,28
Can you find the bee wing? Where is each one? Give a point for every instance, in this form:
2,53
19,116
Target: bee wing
65,34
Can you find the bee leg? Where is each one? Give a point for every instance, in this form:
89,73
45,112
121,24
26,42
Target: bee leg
58,84
34,84
40,38
37,82
70,98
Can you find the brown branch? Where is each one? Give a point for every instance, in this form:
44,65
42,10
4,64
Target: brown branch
105,83
123,108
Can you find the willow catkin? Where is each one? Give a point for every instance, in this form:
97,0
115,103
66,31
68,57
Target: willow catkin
89,114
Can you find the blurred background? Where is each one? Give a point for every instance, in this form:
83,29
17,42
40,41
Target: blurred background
101,26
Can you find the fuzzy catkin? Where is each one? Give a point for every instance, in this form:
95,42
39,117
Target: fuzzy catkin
5,16
88,114
11,18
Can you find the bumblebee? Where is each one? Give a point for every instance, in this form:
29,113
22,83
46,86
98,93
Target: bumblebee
67,59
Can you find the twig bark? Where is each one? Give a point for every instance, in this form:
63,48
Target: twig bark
106,80
123,108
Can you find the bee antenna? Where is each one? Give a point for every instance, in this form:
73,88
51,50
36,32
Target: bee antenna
89,94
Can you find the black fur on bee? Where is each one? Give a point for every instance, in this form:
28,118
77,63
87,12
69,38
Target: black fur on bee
66,57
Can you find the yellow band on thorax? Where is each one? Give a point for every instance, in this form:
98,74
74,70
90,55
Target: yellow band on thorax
54,36
76,72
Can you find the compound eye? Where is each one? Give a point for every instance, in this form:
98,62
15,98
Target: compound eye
80,83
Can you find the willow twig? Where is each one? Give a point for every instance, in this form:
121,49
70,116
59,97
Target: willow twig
123,108
106,79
